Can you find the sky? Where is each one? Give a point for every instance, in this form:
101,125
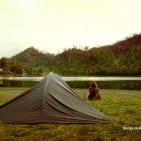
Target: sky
53,25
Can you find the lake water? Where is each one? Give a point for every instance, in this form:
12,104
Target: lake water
80,78
103,82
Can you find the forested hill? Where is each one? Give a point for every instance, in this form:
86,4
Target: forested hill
33,57
121,58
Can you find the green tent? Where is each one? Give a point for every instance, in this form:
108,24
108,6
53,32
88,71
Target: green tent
50,101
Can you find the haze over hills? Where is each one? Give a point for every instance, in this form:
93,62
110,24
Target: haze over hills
121,58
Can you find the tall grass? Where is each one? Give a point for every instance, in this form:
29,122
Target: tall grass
123,106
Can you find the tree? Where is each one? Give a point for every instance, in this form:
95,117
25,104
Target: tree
17,69
4,64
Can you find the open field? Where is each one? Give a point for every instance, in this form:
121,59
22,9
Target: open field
123,106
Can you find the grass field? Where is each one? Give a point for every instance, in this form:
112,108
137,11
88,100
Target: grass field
123,106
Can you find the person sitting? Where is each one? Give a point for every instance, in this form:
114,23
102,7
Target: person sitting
94,92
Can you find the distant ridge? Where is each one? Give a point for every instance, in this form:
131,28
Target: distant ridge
120,58
134,40
32,57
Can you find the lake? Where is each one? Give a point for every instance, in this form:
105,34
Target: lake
78,78
104,81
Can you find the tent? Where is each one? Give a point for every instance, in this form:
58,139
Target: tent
50,101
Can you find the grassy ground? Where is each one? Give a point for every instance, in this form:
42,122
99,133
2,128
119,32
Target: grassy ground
124,106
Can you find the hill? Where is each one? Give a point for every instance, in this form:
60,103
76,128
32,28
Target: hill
32,57
121,58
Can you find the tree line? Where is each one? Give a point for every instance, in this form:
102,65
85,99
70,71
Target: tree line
121,58
11,66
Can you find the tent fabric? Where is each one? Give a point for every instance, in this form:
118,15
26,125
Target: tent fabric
50,101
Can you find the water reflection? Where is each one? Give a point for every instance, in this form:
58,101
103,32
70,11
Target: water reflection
17,83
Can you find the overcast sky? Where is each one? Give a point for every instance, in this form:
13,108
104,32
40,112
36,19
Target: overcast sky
52,25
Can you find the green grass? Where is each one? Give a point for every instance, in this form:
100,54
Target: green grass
123,106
